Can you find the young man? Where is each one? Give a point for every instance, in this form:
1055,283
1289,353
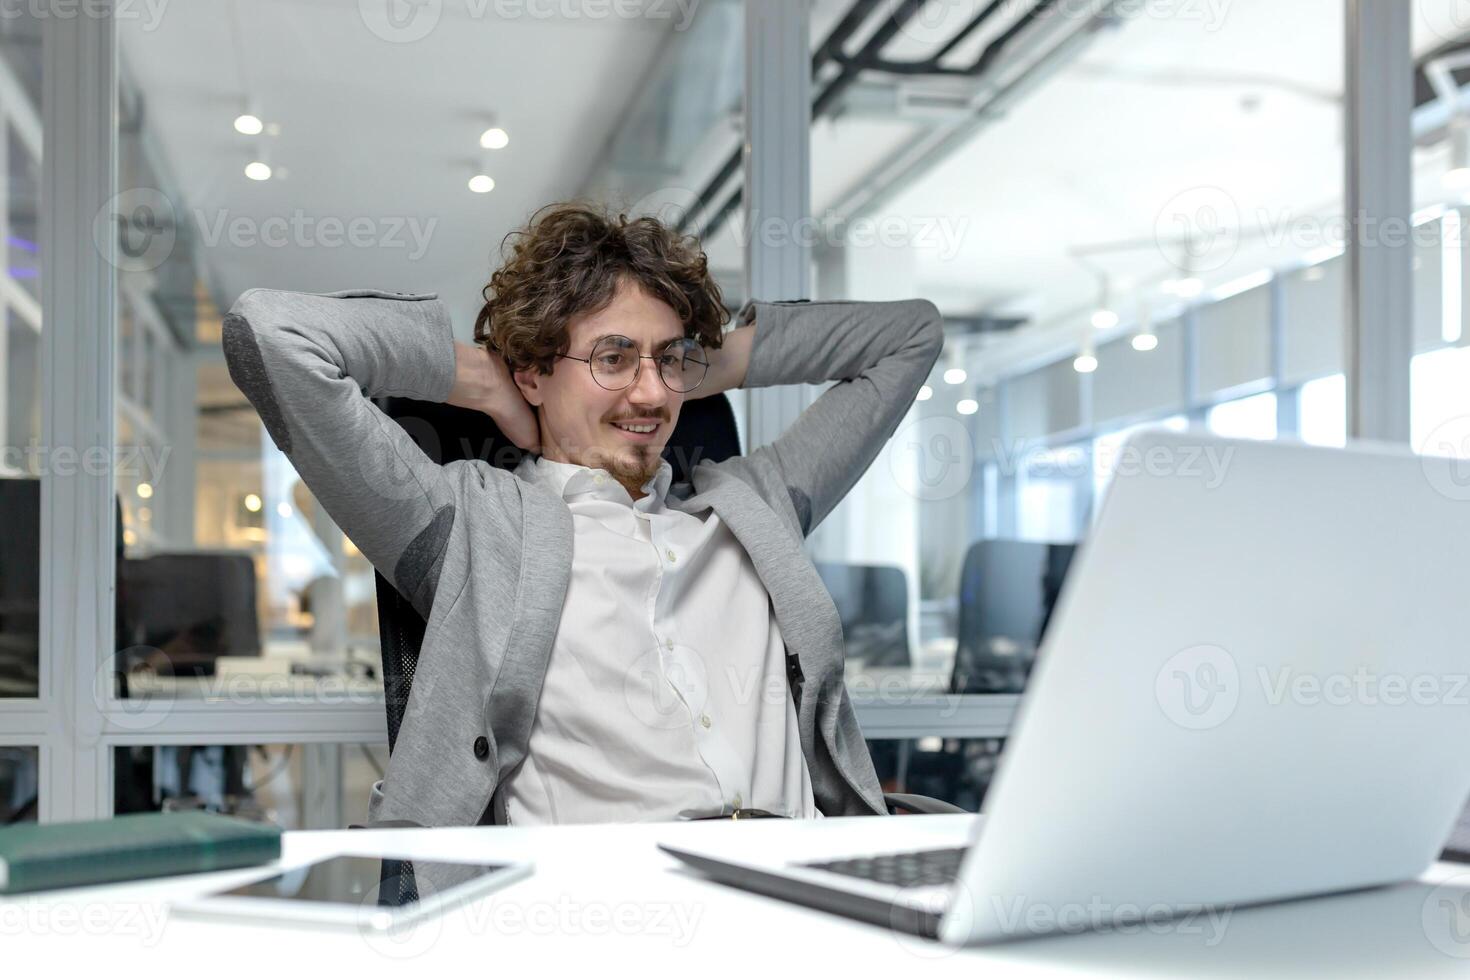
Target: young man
601,646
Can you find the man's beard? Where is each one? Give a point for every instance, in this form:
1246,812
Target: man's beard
634,466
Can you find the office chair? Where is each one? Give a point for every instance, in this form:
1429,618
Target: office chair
1007,592
873,603
706,431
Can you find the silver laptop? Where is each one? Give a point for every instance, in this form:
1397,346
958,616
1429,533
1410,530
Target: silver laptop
1253,688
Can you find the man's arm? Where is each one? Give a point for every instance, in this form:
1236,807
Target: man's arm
309,363
878,352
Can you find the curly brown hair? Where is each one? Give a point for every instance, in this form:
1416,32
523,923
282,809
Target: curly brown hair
567,262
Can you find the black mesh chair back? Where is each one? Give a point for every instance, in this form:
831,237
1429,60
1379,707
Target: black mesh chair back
873,604
706,431
1007,592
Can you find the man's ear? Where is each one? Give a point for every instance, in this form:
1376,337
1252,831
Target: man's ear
529,381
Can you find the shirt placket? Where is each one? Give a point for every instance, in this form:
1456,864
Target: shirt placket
687,670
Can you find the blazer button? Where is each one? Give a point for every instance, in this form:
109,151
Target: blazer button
482,747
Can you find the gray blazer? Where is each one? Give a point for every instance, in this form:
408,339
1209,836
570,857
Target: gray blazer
485,556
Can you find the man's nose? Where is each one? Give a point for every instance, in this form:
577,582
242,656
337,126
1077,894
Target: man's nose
649,389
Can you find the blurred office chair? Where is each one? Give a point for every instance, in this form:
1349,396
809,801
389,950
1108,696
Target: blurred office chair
20,634
873,603
20,587
706,431
179,612
1007,592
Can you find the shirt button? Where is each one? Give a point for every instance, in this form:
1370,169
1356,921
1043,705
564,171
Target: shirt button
597,479
670,553
482,747
737,801
704,720
668,643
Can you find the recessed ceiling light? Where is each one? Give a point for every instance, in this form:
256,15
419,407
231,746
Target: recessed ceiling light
256,170
494,138
481,184
248,124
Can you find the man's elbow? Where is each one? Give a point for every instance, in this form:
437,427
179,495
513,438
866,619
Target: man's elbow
929,326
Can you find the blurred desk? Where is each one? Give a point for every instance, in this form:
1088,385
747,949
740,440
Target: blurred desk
604,899
256,688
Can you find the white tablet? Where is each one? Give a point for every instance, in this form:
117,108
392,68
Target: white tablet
376,893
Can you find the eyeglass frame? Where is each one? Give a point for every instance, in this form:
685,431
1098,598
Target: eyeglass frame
638,368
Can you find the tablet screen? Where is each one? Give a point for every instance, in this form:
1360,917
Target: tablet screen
356,880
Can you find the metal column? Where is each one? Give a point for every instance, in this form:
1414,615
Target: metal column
777,222
1378,102
77,347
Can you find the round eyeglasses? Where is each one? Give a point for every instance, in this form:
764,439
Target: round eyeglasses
615,363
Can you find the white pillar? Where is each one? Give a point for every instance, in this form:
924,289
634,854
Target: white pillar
1379,103
78,297
778,114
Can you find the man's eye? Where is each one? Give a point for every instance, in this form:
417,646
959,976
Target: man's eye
671,360
610,360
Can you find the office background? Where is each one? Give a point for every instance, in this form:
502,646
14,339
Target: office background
1129,213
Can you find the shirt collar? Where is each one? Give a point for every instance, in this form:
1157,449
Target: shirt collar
569,480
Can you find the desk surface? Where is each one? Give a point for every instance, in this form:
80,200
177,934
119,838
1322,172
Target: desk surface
604,899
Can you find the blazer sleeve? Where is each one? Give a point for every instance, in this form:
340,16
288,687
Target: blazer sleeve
879,353
309,363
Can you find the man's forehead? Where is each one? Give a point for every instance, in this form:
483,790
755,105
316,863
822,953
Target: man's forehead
643,327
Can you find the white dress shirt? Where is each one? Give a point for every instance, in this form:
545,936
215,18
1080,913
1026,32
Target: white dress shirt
666,693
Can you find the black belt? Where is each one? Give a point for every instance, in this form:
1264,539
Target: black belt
742,813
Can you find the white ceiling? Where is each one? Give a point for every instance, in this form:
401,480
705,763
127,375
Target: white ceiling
1239,95
381,131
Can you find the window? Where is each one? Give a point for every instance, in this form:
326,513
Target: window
1052,494
1322,411
1439,402
1245,418
1105,450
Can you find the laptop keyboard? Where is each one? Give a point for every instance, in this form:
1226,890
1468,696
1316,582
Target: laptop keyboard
905,869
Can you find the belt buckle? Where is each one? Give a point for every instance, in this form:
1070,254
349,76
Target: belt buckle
749,813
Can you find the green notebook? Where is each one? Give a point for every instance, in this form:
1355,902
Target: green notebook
137,845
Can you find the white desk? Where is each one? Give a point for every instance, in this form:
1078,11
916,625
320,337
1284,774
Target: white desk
605,901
